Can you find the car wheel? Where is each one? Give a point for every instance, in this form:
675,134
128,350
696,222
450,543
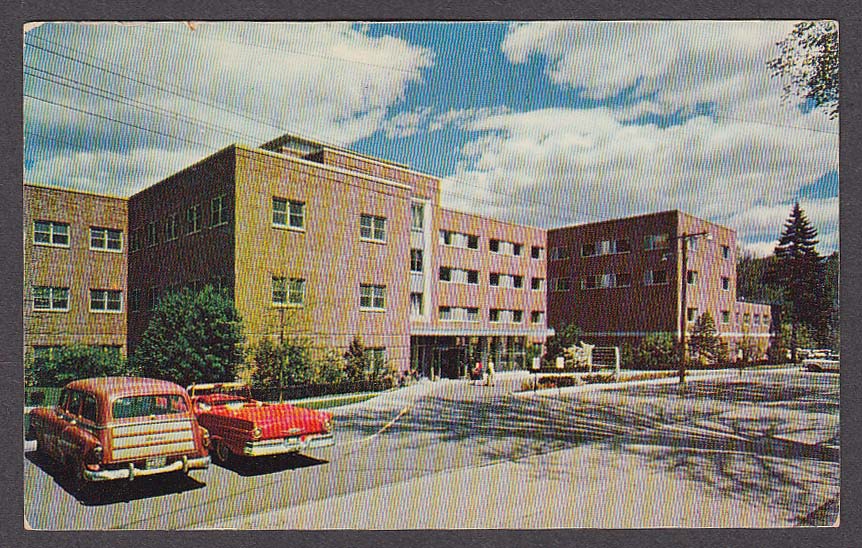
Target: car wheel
77,484
221,452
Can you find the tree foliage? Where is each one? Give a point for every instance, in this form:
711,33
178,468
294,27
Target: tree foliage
704,343
68,363
360,365
654,351
562,339
294,362
192,337
808,64
800,271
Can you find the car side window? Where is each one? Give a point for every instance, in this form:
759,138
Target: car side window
64,400
88,409
74,403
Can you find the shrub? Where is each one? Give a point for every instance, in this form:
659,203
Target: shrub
562,339
656,351
192,337
68,363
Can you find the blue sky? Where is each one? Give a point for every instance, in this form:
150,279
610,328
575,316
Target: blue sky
546,123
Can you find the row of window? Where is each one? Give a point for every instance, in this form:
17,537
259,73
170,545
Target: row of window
613,247
495,315
148,298
291,292
152,232
56,299
624,279
495,279
692,314
57,234
471,241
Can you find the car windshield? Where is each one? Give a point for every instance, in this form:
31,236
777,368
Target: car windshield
154,404
219,395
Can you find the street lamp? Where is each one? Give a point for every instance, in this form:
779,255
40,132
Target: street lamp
683,319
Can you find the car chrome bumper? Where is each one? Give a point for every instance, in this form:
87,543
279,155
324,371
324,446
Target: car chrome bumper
130,473
287,445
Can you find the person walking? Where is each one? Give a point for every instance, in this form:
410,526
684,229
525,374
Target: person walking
489,381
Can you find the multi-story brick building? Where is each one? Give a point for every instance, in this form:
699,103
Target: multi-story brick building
74,270
323,242
621,279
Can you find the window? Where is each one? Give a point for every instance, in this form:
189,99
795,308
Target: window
105,300
517,316
537,317
372,297
725,252
106,239
746,318
288,213
536,252
51,298
135,300
472,314
445,313
725,283
472,242
152,234
51,233
516,249
505,248
691,278
518,282
416,304
655,277
559,253
415,260
606,281
494,279
588,250
171,227
473,277
657,241
623,279
445,274
561,284
691,315
193,219
725,316
417,221
152,298
757,319
218,211
624,246
494,246
537,284
493,315
88,408
288,291
445,237
372,228
590,282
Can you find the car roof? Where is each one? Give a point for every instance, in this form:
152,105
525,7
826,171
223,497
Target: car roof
106,387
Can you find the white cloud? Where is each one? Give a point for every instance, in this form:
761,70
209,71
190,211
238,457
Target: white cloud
670,66
555,167
232,82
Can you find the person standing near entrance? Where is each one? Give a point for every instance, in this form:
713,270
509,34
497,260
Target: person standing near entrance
489,381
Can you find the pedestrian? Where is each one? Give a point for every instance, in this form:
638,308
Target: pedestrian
476,373
490,379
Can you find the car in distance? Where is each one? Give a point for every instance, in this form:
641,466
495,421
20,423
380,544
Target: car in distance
242,426
111,428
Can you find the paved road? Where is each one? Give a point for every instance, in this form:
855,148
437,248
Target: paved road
760,450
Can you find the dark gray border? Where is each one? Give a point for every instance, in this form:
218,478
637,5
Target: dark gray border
11,332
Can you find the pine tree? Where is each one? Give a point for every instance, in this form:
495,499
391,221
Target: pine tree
800,271
703,341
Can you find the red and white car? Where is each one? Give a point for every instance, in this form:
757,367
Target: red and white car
120,428
240,425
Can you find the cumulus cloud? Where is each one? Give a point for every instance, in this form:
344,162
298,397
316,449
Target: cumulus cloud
554,167
207,87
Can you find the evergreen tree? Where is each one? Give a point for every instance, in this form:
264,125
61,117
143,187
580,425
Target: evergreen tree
799,269
703,340
357,361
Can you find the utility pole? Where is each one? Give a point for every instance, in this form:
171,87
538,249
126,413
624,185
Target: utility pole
683,316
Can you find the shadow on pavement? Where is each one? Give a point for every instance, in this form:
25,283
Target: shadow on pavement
112,492
727,434
257,466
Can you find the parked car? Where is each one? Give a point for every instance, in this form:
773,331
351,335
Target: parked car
120,428
242,426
